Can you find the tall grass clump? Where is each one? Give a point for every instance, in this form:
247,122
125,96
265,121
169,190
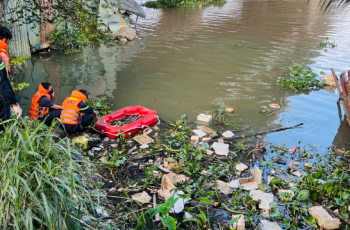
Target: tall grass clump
41,184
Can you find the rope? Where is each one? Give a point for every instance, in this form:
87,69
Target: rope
128,119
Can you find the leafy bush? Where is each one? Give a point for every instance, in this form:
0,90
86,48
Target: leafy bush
101,106
83,28
19,86
71,40
300,78
19,60
40,188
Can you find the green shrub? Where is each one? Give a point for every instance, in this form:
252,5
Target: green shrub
19,86
300,78
100,105
19,60
40,186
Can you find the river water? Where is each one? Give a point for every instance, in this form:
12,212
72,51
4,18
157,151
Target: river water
191,61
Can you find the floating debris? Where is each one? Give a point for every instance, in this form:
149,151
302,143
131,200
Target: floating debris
324,220
143,139
293,164
241,167
266,225
240,225
221,149
199,133
253,182
206,129
205,118
166,186
227,134
275,106
224,187
142,197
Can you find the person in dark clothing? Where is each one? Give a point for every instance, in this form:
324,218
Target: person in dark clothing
7,98
76,115
42,107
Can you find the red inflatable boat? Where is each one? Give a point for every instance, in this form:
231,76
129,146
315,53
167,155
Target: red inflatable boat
129,120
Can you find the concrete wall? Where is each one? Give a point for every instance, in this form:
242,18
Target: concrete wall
19,44
112,18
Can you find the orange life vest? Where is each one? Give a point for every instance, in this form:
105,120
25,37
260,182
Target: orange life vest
3,47
37,112
70,114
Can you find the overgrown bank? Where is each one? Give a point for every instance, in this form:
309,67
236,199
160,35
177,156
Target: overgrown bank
50,185
209,196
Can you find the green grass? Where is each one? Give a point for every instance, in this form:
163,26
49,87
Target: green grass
40,184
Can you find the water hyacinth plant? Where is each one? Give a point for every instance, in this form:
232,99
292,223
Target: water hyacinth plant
300,78
40,186
327,43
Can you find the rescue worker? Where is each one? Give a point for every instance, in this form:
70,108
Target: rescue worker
42,106
7,96
76,116
5,37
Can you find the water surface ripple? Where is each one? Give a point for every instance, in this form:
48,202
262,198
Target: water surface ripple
193,60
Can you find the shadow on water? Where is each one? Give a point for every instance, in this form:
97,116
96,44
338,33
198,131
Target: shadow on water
194,60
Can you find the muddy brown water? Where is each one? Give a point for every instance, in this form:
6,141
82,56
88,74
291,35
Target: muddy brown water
190,61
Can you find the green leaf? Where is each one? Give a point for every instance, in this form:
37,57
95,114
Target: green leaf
202,216
303,194
336,172
310,220
193,220
261,187
235,220
314,195
169,204
149,172
158,209
275,180
275,213
273,205
169,222
340,202
317,175
205,200
210,193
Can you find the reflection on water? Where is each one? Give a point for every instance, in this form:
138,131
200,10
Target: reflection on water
193,60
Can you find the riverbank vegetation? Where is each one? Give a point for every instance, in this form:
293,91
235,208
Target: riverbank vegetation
175,182
19,60
77,22
43,179
300,78
206,194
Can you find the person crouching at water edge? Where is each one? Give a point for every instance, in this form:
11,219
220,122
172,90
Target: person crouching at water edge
77,116
42,106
